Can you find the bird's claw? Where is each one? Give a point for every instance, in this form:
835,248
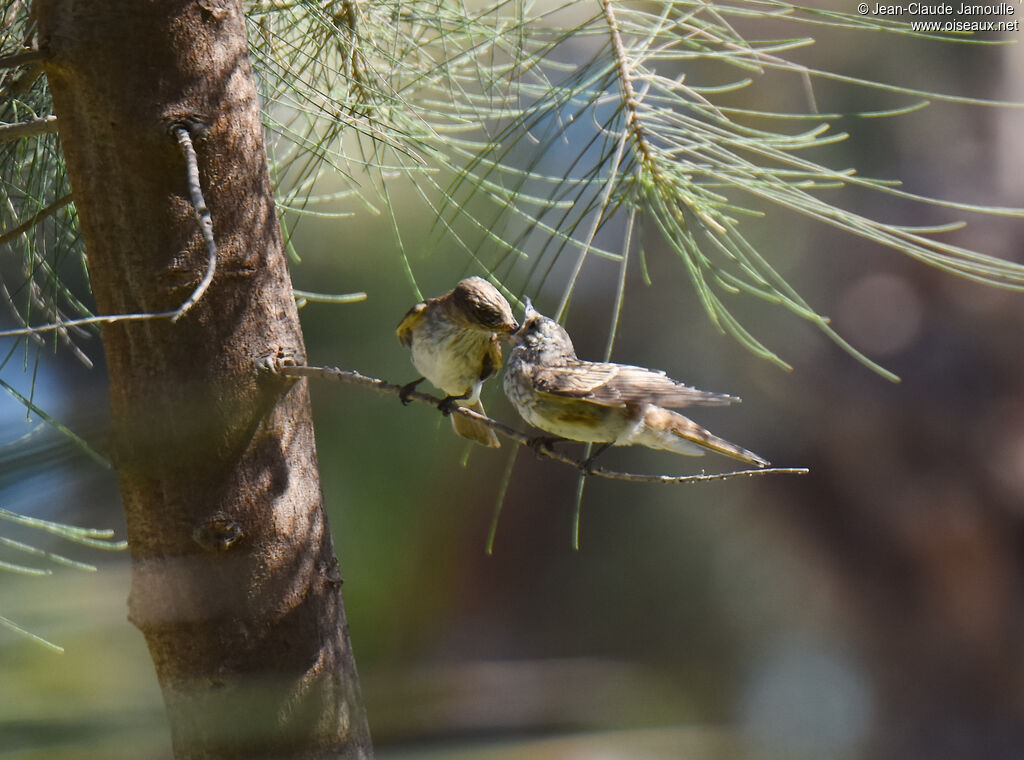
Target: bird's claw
542,444
406,391
448,405
587,465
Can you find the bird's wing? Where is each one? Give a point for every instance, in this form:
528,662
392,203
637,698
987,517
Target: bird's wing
640,384
610,384
409,322
573,380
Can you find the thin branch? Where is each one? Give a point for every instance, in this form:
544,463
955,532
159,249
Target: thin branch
35,219
353,377
184,139
30,128
21,83
202,215
629,94
20,59
100,320
35,294
60,324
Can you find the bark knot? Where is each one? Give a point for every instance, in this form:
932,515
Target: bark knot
218,533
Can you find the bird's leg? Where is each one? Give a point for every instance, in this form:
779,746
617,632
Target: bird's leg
588,465
448,405
406,390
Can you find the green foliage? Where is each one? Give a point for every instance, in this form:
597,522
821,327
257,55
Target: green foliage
95,539
531,132
39,234
529,129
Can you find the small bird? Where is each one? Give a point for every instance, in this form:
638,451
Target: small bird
455,344
604,402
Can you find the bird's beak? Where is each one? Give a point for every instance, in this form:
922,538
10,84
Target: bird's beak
508,330
527,313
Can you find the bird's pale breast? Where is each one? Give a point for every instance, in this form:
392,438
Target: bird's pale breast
451,357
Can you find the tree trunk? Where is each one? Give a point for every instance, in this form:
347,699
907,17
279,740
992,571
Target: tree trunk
235,583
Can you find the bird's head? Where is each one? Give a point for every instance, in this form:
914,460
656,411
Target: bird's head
542,337
479,304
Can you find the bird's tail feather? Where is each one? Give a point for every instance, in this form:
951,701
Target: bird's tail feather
475,430
662,429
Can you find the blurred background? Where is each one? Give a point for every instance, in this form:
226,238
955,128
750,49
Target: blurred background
871,609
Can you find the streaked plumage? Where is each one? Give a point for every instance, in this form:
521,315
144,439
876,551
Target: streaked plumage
454,342
605,402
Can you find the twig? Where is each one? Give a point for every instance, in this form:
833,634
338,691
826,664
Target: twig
184,138
34,263
35,219
205,224
100,320
20,59
62,325
30,128
382,386
22,83
627,80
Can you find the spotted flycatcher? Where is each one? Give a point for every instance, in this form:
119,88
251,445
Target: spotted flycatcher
604,402
455,344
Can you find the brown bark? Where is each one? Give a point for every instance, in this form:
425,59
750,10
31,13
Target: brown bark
235,582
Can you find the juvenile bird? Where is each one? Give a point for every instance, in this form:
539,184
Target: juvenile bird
604,402
455,345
